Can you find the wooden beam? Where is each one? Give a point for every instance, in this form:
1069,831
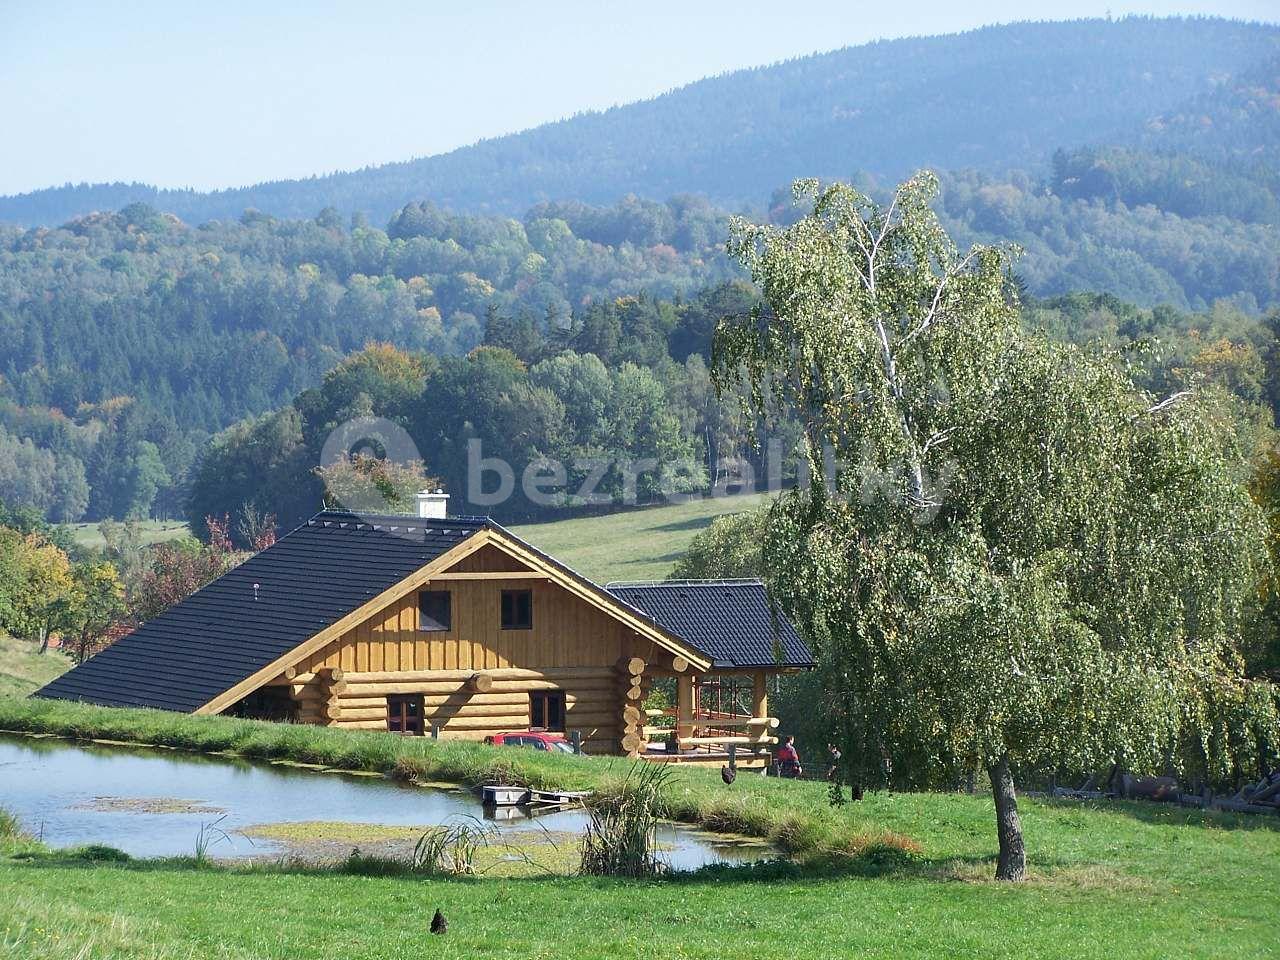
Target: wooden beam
633,666
728,723
498,673
684,705
492,575
725,741
480,683
453,687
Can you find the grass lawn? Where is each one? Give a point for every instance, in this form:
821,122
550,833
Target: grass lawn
152,531
23,670
1108,880
640,544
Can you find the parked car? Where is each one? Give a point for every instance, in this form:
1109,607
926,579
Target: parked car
535,739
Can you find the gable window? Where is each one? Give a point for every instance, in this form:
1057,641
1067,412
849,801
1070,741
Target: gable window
546,710
404,715
435,610
517,609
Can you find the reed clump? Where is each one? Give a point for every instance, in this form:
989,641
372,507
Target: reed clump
451,849
621,839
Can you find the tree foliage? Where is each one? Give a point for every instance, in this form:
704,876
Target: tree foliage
1023,559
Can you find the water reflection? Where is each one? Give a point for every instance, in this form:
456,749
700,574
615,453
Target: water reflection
152,803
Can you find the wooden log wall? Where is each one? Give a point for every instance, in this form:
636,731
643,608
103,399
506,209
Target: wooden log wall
476,678
452,701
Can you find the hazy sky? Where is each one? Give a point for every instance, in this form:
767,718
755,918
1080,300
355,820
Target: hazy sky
226,93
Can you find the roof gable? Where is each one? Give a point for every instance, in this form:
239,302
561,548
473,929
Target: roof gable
229,637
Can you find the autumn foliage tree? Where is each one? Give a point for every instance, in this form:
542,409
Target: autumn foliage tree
181,568
370,484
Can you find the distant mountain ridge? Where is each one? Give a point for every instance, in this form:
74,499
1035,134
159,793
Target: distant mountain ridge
993,99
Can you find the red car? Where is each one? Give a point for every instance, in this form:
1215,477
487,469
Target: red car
536,739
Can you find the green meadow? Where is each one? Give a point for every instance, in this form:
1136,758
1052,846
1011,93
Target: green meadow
895,875
22,669
639,544
150,531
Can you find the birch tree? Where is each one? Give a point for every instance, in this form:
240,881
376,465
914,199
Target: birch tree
1020,559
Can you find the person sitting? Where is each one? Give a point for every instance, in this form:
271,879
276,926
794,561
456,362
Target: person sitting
788,759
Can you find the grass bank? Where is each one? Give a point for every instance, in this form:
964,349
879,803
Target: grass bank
796,817
1114,881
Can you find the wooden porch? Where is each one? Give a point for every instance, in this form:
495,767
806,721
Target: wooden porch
714,713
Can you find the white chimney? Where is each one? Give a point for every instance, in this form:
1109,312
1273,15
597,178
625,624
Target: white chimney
433,505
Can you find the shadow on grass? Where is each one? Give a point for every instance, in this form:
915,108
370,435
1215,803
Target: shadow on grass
669,558
1166,814
677,526
873,863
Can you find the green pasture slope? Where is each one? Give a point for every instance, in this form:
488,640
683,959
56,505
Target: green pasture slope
22,669
152,531
639,544
897,875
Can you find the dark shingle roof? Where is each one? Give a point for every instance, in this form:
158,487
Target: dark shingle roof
731,620
220,635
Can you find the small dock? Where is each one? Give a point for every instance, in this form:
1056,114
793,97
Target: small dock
497,795
558,798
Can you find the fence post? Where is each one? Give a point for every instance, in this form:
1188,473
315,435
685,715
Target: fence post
575,738
435,731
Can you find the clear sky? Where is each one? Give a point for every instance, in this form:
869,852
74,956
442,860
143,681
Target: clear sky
226,93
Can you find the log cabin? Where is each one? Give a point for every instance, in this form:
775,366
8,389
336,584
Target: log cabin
457,628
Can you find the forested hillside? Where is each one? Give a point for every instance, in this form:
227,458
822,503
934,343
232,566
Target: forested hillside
128,339
994,99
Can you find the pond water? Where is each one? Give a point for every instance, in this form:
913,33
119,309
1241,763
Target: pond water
152,803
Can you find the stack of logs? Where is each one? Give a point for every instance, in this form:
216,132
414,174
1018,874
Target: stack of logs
1261,796
318,700
633,687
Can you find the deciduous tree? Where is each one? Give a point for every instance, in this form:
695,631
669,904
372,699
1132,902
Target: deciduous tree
1020,559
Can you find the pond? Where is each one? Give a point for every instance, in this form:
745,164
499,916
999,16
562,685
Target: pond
154,803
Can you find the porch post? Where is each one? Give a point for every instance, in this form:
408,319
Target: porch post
760,695
684,706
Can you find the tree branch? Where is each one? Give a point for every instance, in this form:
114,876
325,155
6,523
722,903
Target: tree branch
1168,401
